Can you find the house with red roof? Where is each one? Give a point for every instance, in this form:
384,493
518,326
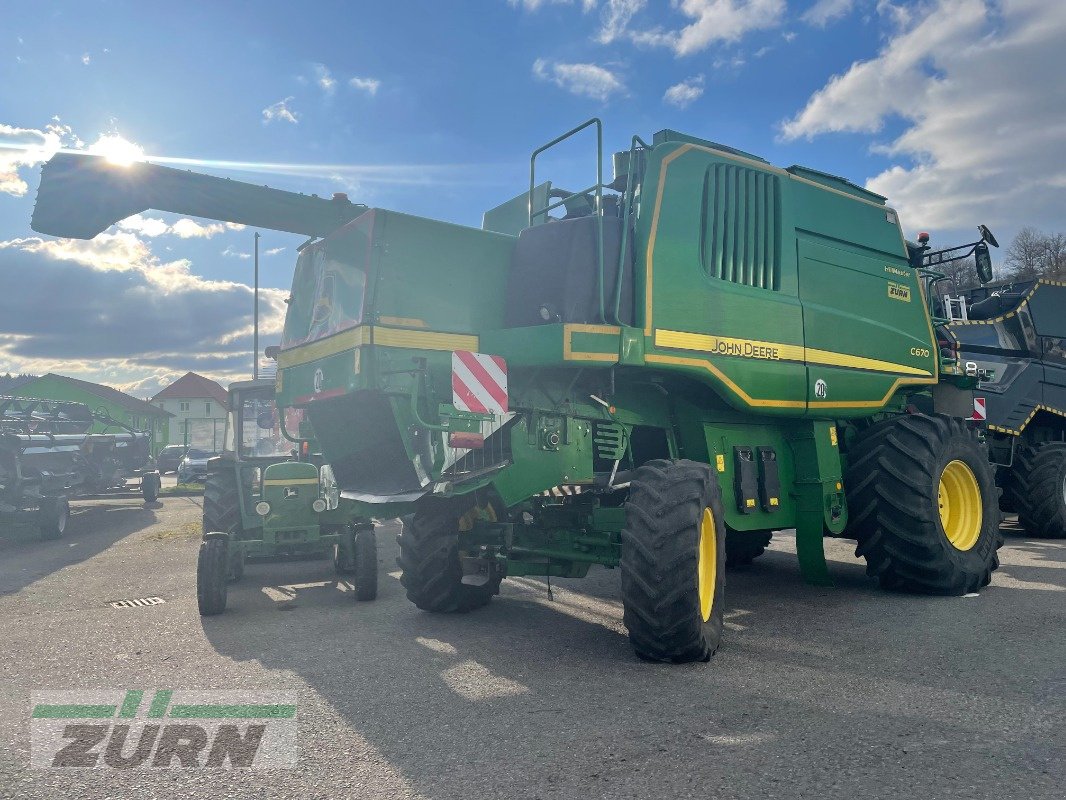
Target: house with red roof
198,406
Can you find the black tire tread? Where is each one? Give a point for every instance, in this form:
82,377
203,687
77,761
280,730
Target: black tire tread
659,557
212,575
365,573
892,503
1038,490
429,557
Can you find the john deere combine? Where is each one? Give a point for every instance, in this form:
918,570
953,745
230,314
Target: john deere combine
707,347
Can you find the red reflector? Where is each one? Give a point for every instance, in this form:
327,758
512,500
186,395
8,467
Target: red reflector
470,441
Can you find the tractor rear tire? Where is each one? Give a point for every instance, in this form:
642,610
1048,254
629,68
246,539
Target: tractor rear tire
53,516
366,565
222,510
673,562
743,547
1039,492
923,505
212,573
429,558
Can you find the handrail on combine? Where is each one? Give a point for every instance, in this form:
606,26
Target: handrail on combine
598,187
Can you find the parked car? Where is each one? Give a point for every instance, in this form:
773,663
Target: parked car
193,467
170,457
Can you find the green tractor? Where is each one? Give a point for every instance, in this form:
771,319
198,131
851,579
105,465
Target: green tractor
261,501
678,363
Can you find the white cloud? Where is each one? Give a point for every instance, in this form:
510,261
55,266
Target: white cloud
368,85
325,80
273,251
825,11
280,110
184,228
685,93
27,147
230,252
615,18
589,80
713,21
984,131
85,59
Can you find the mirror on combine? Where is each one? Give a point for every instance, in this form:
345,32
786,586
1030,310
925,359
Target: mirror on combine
984,262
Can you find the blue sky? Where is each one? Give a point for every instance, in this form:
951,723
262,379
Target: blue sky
953,108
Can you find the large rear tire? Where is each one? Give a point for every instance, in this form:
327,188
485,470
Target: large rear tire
743,547
673,561
923,505
429,556
1039,490
222,510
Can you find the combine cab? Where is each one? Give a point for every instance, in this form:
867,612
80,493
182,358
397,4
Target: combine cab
260,501
678,363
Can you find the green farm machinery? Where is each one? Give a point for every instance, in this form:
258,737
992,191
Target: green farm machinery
269,495
47,456
652,374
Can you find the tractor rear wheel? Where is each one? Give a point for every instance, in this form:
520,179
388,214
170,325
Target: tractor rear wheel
366,564
222,510
429,555
53,516
673,561
150,488
212,573
1039,490
743,547
923,505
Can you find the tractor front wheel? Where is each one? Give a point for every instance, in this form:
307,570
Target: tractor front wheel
923,505
1039,490
366,564
212,573
673,561
429,556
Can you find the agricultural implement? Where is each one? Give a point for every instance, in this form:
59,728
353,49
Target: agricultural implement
703,351
1013,338
266,496
48,456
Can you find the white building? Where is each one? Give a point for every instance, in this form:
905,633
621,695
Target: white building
198,405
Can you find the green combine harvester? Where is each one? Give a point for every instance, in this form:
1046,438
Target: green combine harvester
703,351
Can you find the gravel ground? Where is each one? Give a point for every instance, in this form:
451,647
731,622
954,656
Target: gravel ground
845,692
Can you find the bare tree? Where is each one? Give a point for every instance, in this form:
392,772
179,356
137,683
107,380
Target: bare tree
1025,255
1053,261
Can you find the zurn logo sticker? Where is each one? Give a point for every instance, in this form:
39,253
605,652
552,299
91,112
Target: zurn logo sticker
163,729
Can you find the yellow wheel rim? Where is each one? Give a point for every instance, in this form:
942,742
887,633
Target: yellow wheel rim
486,513
959,499
707,568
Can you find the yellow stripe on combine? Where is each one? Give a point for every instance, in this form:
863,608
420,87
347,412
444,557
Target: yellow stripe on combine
366,334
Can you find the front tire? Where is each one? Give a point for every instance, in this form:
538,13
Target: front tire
1039,490
150,485
366,565
212,573
673,562
429,556
923,505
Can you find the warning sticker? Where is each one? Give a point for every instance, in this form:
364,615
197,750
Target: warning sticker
897,291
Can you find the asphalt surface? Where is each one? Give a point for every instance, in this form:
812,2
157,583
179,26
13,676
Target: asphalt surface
847,692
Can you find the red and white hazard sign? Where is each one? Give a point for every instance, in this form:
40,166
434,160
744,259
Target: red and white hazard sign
979,410
479,382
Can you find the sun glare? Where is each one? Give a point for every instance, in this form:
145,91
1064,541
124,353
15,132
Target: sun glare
117,150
